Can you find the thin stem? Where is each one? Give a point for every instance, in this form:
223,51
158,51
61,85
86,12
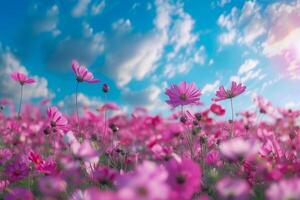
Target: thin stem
20,103
232,117
76,104
105,119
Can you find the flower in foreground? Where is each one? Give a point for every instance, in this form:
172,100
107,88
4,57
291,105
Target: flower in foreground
239,148
184,178
183,94
148,182
235,90
82,74
16,171
284,190
19,193
235,189
52,185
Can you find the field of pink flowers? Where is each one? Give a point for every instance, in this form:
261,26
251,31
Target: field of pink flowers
47,155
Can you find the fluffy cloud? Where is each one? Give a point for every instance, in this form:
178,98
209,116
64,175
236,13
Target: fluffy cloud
210,88
147,98
87,49
68,103
244,26
122,25
80,8
97,8
141,54
9,88
248,65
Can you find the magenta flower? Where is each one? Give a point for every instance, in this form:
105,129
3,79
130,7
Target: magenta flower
82,74
238,148
57,120
184,178
235,90
183,94
148,182
22,78
235,189
52,185
19,193
284,189
16,171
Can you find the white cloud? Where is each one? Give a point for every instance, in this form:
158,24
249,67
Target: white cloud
98,8
80,8
11,89
69,102
248,65
147,98
86,49
122,25
210,88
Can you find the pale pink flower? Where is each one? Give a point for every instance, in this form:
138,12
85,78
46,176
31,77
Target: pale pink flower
22,78
239,148
183,94
57,120
235,90
284,190
82,74
235,189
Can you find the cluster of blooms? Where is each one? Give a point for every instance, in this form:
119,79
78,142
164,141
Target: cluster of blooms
189,155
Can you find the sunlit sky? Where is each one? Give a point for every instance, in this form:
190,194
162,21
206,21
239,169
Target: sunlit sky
140,47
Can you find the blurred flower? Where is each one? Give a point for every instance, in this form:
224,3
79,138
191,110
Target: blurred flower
184,178
5,155
19,194
16,171
239,148
233,189
217,109
284,190
148,182
52,185
183,94
235,90
22,78
82,74
105,88
213,158
93,194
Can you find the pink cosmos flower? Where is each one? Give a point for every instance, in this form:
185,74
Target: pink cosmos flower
16,171
148,182
217,109
22,78
52,185
19,193
184,178
93,193
284,189
5,155
235,189
183,94
57,120
235,90
82,74
239,148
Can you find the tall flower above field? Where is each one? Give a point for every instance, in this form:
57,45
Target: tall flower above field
82,74
23,80
57,120
183,94
235,90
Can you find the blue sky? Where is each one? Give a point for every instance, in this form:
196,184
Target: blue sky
141,47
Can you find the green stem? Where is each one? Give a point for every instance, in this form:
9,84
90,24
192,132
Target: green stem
232,118
20,103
